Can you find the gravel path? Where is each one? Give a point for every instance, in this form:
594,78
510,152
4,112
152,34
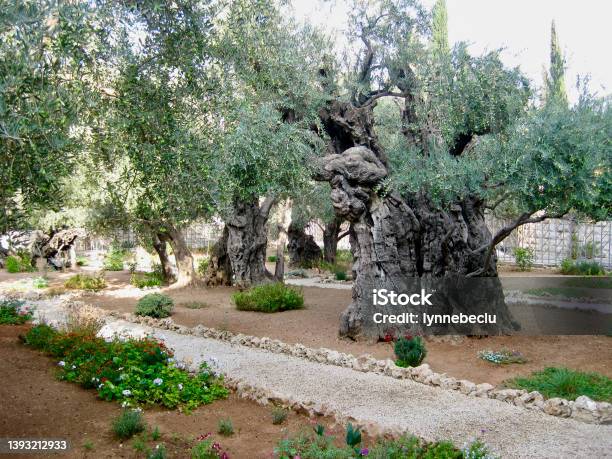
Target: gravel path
402,405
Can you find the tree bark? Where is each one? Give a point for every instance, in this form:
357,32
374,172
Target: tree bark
404,243
159,244
303,250
283,227
331,237
182,256
244,244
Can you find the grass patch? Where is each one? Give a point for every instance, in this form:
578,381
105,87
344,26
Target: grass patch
144,280
589,282
275,297
85,282
194,305
565,383
279,414
12,313
134,372
20,263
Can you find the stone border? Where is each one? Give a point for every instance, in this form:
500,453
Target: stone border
582,409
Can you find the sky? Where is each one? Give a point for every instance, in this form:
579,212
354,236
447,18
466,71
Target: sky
522,27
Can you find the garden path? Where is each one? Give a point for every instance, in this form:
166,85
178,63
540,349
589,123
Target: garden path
368,398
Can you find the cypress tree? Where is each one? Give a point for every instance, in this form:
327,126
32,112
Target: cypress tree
555,79
440,28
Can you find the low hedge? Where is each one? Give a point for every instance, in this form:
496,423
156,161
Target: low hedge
275,297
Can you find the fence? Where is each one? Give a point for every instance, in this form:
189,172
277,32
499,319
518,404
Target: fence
554,240
551,240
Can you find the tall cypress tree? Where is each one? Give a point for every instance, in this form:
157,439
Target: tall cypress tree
555,78
440,28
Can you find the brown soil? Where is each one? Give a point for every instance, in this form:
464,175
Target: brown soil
317,326
33,404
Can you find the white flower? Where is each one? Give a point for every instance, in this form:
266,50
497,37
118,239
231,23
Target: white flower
100,386
61,363
158,381
127,392
171,359
73,367
137,409
125,404
180,386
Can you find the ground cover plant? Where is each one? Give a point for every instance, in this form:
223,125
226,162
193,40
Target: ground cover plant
317,445
128,423
12,312
155,305
523,257
114,258
274,297
590,282
502,357
19,263
565,383
40,282
582,268
134,372
144,280
85,282
207,448
409,351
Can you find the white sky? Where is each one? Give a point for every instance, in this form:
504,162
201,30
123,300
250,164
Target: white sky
520,26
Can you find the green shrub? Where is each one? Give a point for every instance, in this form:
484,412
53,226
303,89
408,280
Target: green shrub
85,282
155,434
225,427
114,258
12,313
144,280
128,424
132,371
582,268
20,263
272,258
279,414
340,275
155,305
40,282
273,297
409,351
565,383
203,266
523,257
82,261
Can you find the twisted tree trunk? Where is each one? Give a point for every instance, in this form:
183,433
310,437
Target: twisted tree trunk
182,256
159,244
303,250
283,226
331,237
243,244
403,243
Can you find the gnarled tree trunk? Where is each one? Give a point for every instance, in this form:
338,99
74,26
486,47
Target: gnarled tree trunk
403,243
159,244
331,237
182,256
283,226
303,250
245,242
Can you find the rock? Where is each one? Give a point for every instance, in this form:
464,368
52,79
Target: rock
434,379
466,387
585,409
482,390
449,383
557,407
605,412
531,400
507,395
364,363
421,373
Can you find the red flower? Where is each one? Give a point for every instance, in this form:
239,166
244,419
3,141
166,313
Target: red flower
388,338
408,337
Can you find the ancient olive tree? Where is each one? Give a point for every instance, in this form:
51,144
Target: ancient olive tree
45,47
268,141
415,176
161,124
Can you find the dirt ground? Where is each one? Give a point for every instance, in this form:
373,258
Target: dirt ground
34,404
317,326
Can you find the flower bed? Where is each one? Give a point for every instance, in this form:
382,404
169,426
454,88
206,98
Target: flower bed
12,313
133,371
